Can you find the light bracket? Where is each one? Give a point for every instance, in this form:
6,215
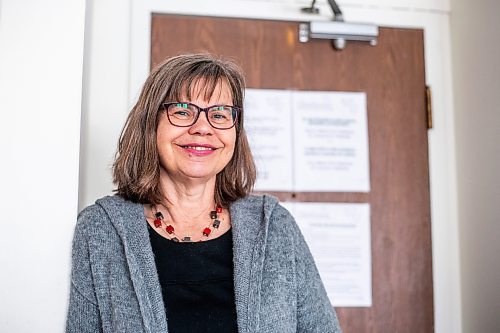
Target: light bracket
336,30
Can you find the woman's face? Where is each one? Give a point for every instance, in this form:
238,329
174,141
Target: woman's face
199,151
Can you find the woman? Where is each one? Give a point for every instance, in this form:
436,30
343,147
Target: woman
183,247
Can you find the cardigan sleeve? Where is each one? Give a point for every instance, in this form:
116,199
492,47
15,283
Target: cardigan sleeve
314,310
83,312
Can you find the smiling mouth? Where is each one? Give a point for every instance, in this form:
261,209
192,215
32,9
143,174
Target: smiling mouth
199,148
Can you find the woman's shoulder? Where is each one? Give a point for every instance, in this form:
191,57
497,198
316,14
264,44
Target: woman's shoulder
96,210
256,201
267,210
265,205
105,211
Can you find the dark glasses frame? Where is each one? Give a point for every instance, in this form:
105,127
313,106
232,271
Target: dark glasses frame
234,113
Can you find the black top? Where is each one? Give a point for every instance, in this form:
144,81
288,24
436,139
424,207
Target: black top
197,283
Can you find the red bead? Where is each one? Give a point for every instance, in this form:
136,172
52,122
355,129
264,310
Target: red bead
169,229
219,209
157,223
206,231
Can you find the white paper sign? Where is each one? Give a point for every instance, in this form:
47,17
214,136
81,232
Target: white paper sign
330,142
308,141
268,125
338,235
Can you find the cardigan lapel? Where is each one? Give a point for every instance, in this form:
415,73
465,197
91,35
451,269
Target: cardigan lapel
130,223
249,219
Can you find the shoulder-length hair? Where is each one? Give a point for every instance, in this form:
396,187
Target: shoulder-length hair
136,169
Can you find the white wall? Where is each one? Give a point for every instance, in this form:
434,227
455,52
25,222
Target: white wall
105,93
116,71
41,47
475,32
41,55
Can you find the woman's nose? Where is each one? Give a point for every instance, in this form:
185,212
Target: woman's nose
201,126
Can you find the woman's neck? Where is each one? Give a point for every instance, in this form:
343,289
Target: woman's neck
188,211
190,201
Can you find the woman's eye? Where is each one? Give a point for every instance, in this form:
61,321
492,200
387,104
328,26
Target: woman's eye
181,113
219,116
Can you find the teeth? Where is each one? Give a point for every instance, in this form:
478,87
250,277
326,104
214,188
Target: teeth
199,148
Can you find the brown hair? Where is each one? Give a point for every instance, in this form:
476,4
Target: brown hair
136,169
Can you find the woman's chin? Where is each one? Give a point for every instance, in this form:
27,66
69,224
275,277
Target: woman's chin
196,175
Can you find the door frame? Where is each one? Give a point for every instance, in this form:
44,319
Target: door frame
445,250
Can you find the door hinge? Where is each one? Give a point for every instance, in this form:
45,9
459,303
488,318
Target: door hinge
428,102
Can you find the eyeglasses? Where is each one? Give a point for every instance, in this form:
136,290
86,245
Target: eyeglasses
183,114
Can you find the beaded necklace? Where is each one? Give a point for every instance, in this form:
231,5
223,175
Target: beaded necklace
159,221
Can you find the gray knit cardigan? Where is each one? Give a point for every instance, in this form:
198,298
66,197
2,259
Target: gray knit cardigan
115,285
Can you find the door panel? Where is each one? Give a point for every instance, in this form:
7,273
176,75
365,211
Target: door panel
392,75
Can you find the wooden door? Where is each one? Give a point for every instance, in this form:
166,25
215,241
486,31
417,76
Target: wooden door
392,75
